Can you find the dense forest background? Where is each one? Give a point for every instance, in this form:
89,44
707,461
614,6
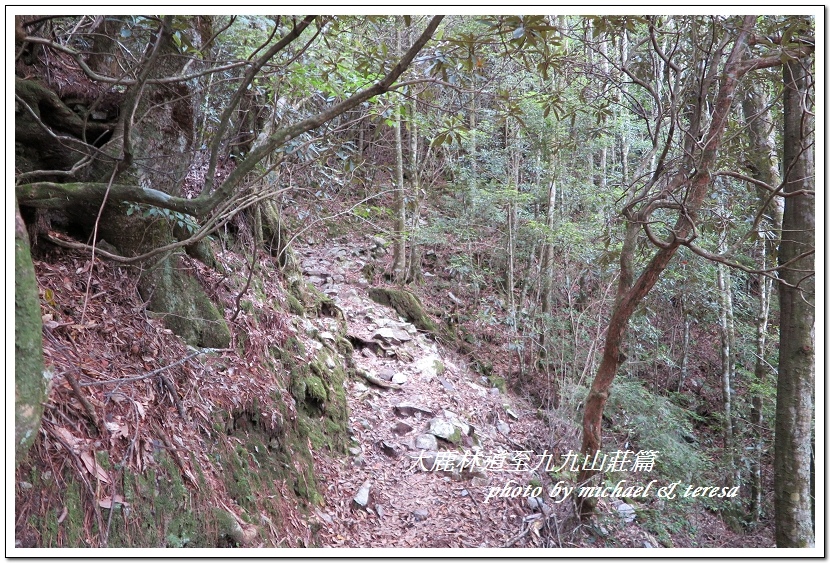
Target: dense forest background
610,218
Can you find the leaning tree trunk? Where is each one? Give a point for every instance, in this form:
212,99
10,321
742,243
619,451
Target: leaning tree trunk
630,295
794,526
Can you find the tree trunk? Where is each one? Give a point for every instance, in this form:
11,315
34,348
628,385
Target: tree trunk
29,381
399,245
762,163
794,414
630,295
413,262
727,328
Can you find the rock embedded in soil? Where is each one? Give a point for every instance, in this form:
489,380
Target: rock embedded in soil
445,430
361,499
388,449
430,366
426,442
420,514
408,409
401,428
626,511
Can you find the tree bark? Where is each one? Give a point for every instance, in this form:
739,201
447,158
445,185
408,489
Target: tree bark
399,244
794,526
762,163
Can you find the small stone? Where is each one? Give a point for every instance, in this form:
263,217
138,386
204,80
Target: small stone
361,499
510,412
426,442
477,388
647,545
627,512
387,374
25,485
388,449
534,503
425,461
444,430
446,383
401,428
420,515
324,516
367,353
494,391
408,409
399,378
380,511
503,427
355,451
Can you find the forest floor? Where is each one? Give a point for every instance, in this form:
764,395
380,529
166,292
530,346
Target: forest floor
437,457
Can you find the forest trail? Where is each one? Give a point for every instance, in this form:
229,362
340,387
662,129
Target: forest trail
416,475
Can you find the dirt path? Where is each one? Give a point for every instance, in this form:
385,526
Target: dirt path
395,435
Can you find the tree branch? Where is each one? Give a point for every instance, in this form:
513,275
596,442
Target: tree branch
209,200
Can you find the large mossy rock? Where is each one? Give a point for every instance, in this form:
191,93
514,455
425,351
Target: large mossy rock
29,381
183,304
406,304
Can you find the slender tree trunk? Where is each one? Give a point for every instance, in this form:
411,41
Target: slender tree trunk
727,327
548,251
794,526
624,141
473,136
684,352
413,273
399,245
762,163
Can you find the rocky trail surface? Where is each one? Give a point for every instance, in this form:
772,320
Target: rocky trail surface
432,442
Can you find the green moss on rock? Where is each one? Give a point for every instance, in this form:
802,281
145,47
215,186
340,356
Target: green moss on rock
406,304
183,305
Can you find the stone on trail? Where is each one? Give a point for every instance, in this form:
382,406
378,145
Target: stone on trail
392,335
426,442
627,512
361,499
510,412
445,430
399,378
408,409
401,428
420,515
446,383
